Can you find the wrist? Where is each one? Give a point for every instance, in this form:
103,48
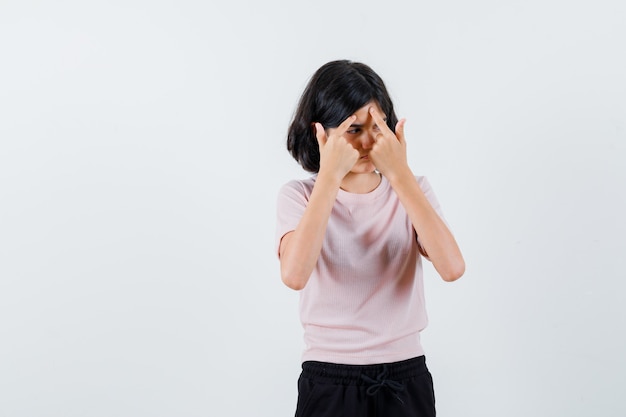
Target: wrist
399,175
329,178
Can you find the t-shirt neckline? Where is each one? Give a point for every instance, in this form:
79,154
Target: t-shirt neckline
363,198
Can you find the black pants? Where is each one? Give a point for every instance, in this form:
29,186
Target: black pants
387,390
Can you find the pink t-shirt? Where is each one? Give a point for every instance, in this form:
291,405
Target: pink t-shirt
364,301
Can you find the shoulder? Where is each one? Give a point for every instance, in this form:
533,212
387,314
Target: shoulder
295,192
423,182
298,187
427,189
421,179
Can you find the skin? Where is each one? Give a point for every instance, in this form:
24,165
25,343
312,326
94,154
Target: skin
349,156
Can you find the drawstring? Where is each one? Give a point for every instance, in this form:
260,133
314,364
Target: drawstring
376,384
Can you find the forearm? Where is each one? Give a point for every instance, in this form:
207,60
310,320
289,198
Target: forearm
435,237
300,249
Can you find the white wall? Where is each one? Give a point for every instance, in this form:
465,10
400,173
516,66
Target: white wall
142,147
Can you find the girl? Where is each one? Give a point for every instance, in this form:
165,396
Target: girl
351,239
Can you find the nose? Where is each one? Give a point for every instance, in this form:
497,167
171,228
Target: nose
368,139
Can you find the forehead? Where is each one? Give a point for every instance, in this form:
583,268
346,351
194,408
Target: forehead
363,114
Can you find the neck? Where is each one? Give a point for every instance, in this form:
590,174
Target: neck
361,183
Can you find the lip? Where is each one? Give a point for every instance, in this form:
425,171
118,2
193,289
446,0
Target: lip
365,157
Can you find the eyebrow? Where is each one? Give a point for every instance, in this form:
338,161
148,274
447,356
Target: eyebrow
361,125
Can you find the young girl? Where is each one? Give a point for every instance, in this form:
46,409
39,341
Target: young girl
351,239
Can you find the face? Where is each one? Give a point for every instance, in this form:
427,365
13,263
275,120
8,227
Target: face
361,135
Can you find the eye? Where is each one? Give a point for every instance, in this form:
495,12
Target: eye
353,131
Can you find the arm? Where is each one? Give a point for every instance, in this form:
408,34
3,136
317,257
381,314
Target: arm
389,156
300,249
436,239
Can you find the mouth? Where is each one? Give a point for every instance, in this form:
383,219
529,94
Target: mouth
366,156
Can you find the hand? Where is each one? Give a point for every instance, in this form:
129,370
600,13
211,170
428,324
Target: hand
337,155
389,150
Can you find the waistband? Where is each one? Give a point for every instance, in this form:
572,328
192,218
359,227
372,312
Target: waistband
364,374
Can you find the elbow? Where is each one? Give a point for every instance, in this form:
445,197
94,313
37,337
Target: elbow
454,272
293,280
294,284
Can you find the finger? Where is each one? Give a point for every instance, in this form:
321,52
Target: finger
380,122
320,134
345,125
400,130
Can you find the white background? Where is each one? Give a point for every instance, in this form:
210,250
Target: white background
142,147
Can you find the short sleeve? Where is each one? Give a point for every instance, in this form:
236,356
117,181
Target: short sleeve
290,205
432,199
427,189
